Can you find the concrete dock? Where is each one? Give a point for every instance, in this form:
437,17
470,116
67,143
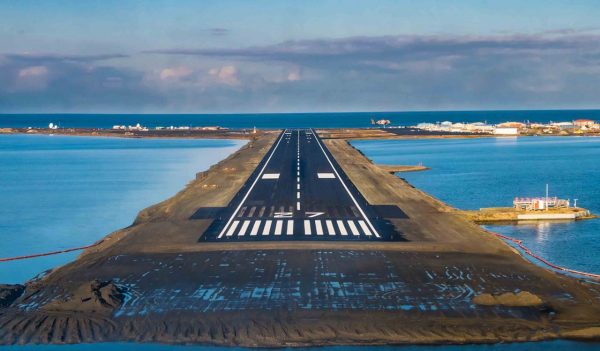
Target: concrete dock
510,214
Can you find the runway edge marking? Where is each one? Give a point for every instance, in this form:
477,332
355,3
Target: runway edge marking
252,186
345,187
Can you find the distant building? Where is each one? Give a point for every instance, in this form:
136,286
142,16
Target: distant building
588,123
506,131
564,125
517,125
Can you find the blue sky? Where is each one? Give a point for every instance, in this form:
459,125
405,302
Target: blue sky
294,56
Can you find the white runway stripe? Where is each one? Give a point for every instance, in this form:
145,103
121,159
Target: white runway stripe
232,228
318,227
353,228
252,186
307,230
267,227
278,226
342,228
330,228
364,227
244,228
290,227
255,227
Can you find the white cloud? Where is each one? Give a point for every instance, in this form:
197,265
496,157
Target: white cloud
294,76
33,71
226,75
175,73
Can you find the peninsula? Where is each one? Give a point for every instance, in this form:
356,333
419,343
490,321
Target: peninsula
297,239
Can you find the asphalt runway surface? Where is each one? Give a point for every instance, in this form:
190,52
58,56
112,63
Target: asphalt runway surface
299,192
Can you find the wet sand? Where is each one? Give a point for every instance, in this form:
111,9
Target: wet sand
451,282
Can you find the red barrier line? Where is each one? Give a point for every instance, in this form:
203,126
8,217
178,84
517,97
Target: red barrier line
6,259
544,261
516,241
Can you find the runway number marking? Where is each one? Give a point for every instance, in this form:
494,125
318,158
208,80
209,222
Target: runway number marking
283,215
314,214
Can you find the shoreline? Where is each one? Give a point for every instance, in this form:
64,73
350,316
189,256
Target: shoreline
449,240
362,133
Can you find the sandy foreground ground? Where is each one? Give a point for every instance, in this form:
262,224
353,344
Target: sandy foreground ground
449,282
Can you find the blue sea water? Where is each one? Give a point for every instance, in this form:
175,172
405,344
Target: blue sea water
289,120
58,192
490,172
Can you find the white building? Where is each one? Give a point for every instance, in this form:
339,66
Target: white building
506,131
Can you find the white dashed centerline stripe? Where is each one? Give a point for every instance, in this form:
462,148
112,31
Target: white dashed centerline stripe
251,187
267,228
244,228
298,206
255,227
346,188
232,228
297,195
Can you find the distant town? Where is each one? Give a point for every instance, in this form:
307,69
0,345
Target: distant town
575,127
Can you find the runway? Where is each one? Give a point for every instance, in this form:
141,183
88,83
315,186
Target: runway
298,192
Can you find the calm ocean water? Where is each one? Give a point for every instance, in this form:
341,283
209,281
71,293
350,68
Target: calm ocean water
490,172
59,192
290,120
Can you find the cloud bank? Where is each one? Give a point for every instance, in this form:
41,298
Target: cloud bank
559,69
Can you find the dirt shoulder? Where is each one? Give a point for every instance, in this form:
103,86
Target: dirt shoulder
451,282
